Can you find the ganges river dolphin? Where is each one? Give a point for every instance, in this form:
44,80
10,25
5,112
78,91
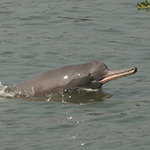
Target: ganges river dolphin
88,75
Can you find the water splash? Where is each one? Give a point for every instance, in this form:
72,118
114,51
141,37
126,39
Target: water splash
4,92
90,89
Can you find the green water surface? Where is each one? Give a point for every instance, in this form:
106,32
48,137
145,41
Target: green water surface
39,35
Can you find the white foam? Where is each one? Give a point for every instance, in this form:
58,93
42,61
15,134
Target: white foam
4,92
90,90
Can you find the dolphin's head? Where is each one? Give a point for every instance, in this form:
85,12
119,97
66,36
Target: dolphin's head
100,74
98,70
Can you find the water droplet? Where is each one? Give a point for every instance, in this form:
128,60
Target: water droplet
82,144
69,118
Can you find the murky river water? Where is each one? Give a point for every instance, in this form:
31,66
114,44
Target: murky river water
39,35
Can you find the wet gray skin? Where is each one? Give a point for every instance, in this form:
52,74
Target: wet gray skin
89,75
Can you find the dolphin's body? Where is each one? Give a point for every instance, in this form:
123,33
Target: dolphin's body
89,75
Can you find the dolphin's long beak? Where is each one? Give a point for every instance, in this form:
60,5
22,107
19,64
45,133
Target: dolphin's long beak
111,75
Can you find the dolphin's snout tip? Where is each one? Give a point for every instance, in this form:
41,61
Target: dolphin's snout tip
135,69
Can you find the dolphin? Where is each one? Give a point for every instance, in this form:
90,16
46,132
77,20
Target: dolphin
88,75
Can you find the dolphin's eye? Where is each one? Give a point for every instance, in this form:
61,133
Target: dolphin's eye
89,74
